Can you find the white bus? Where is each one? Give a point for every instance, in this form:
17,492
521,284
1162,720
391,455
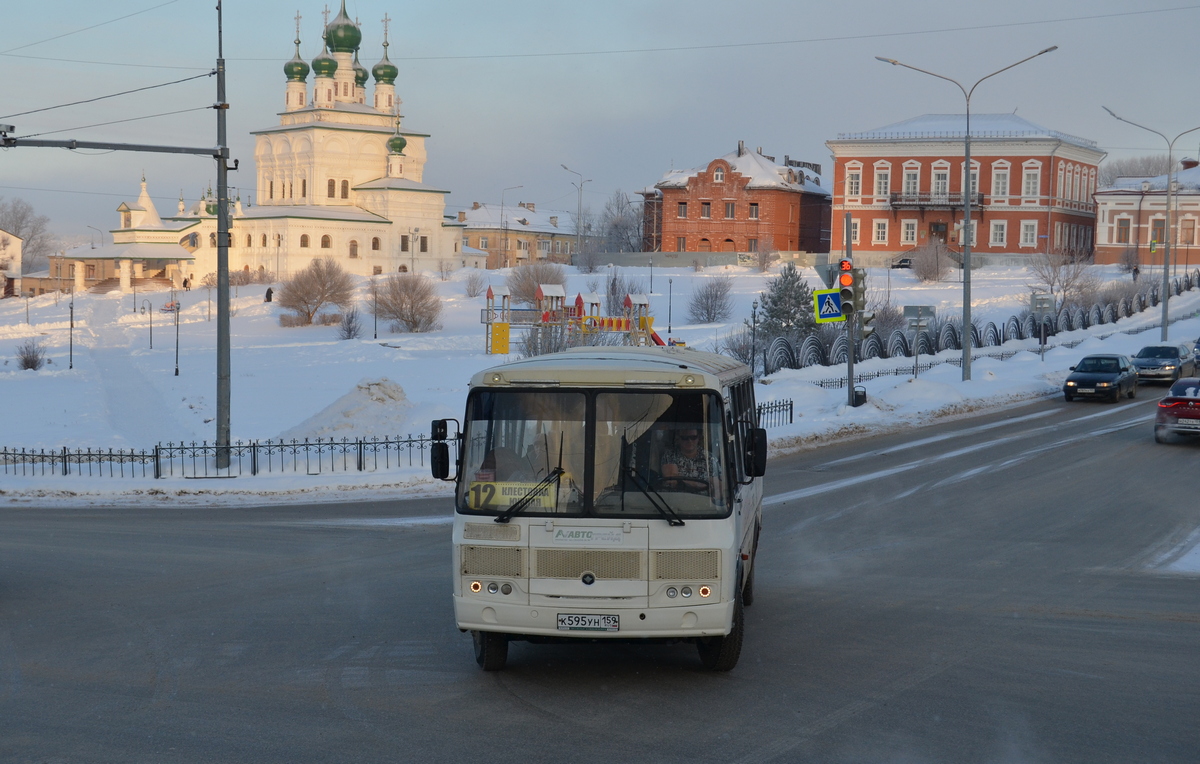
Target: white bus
607,493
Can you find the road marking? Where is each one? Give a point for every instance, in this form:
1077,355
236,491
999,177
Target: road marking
377,522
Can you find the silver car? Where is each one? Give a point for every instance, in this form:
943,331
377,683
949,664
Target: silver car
1164,363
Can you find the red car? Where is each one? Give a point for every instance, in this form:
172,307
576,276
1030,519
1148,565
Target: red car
1179,412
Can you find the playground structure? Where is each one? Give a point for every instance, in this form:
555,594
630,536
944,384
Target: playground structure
552,311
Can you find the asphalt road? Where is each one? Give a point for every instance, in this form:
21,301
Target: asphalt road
979,591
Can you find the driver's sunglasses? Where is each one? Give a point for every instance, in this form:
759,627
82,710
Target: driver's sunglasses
689,437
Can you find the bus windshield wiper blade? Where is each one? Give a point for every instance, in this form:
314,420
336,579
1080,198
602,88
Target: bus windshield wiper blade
528,498
656,500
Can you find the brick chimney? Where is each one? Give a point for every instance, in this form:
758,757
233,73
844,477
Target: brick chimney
529,206
462,216
554,220
475,205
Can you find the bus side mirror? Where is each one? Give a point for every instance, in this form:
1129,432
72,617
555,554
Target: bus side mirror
756,465
439,460
437,429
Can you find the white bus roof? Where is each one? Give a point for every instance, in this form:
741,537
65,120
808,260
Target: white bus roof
618,366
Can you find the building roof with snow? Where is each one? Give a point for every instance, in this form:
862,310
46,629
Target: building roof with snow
954,126
522,216
1187,181
762,171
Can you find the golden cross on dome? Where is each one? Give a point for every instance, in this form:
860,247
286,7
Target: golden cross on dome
325,13
298,17
386,22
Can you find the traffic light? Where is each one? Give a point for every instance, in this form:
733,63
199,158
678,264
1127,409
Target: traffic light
859,285
845,285
865,319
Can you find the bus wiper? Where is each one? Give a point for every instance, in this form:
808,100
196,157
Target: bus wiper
654,497
531,494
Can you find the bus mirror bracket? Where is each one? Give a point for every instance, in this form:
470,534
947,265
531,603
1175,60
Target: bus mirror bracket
756,464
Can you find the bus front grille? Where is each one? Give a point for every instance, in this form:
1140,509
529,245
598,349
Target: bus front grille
687,565
603,564
506,561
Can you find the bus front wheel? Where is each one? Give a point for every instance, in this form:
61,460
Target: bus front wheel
722,653
491,649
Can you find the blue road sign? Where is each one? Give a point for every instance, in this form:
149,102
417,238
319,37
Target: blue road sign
827,305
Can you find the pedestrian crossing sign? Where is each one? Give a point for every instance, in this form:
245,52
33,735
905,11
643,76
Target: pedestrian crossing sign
827,305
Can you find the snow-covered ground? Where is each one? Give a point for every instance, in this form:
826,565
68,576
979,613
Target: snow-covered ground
305,382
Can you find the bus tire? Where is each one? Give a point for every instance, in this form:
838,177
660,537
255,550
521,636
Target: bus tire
722,653
491,649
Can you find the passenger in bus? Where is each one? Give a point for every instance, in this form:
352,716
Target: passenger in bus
688,467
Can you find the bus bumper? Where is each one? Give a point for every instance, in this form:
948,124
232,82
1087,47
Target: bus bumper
707,620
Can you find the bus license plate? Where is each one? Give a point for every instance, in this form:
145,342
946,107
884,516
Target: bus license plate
576,622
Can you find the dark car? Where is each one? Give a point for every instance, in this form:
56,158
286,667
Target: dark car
902,262
1179,412
1101,376
1165,363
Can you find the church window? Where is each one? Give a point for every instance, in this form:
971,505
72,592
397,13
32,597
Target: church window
303,188
279,240
424,243
404,269
304,240
403,242
289,189
126,220
271,190
353,249
345,189
375,244
264,240
332,188
248,244
328,94
326,242
389,101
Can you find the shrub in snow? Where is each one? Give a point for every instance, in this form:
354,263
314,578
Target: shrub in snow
31,355
410,301
350,327
711,302
931,262
738,344
476,284
616,286
523,280
321,283
327,319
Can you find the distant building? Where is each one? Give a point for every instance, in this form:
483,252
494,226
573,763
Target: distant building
517,234
1132,219
10,263
742,202
903,187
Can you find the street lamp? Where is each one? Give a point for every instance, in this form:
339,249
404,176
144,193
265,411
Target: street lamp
651,274
504,228
670,299
97,230
175,302
578,210
71,339
375,305
1166,285
754,336
148,307
966,230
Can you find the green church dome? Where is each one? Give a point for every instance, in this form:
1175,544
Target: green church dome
396,144
324,65
385,71
296,69
360,72
343,35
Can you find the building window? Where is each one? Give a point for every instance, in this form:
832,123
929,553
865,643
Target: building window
682,209
249,241
1123,231
908,232
404,242
91,272
999,233
332,188
376,270
353,249
941,184
271,190
751,245
754,210
303,188
705,210
681,244
264,240
522,245
544,246
1028,233
730,210
402,269
375,243
1032,181
483,241
719,175
558,247
973,228
854,231
881,230
1158,227
289,189
853,183
882,181
912,183
326,242
1000,183
345,189
974,186
304,240
424,243
1187,231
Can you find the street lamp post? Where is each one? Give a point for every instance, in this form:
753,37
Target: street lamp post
504,228
966,192
71,337
148,308
1166,280
670,299
375,305
176,303
652,274
578,209
754,336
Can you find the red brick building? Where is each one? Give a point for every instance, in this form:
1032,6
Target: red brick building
903,186
1132,225
741,202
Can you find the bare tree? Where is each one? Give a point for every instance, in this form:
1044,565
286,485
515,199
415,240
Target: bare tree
1063,277
523,280
931,262
586,227
350,325
711,302
18,217
322,283
476,284
738,344
621,224
1129,259
1147,165
443,269
765,254
616,287
410,301
31,355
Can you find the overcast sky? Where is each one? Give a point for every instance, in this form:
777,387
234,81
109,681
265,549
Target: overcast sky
621,91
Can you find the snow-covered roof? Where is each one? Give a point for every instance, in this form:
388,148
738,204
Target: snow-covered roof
135,250
397,184
350,214
762,171
954,126
1187,181
518,218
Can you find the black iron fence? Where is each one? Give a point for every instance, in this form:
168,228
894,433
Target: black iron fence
208,460
775,413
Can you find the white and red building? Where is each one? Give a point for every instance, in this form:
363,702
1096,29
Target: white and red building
903,186
1132,219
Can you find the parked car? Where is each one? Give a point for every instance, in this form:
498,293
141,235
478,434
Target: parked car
1165,363
902,262
1179,412
1101,376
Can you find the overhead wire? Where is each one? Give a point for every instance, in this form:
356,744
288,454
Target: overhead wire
93,26
115,122
111,95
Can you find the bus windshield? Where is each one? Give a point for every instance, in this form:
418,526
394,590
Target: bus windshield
628,454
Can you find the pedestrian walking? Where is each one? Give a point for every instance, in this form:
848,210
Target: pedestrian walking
1135,273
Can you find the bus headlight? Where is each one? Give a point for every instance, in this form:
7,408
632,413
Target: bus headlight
493,588
705,591
671,592
476,587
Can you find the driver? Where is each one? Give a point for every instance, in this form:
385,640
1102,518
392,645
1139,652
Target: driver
687,466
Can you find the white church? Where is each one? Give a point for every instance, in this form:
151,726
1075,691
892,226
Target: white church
337,177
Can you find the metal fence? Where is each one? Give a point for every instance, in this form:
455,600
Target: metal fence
775,413
200,460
